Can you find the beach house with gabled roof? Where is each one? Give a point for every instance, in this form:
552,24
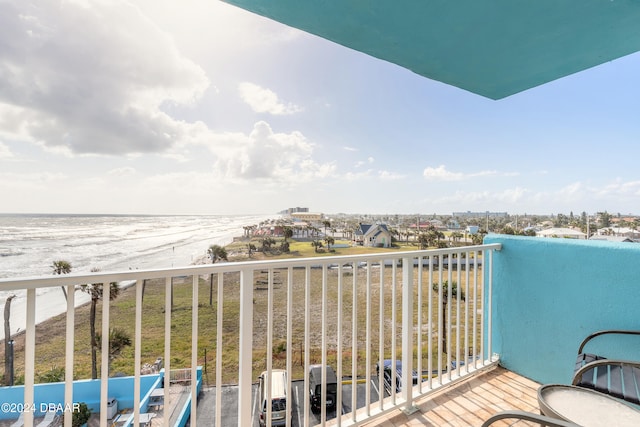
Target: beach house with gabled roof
373,235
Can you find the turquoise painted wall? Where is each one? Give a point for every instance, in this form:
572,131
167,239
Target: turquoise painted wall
548,294
87,391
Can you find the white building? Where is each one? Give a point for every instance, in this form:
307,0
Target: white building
568,233
376,235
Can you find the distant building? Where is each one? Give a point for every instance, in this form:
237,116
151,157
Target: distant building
469,214
619,231
472,229
568,233
373,235
289,211
298,209
452,224
307,216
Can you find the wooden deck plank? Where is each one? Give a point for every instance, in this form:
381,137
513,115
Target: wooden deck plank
470,403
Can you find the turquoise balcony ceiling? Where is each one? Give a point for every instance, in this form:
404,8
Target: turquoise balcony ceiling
491,48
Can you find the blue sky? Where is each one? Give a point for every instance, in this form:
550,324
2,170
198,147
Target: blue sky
197,107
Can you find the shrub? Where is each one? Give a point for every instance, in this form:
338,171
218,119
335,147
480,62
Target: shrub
81,415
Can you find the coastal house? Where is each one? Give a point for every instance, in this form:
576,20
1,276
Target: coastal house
453,224
472,229
373,235
492,51
619,231
567,233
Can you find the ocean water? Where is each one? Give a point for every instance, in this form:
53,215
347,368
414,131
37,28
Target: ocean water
29,244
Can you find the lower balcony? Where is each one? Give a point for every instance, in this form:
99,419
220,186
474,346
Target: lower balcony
477,329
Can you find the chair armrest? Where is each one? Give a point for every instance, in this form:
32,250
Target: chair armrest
602,362
609,331
528,416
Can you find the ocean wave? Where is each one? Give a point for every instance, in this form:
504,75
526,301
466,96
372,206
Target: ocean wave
8,254
30,244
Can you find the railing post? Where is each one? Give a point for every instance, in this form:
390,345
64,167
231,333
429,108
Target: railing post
407,335
489,309
69,349
168,299
137,357
246,347
30,357
194,348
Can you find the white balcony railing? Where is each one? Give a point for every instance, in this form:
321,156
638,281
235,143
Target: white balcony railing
350,312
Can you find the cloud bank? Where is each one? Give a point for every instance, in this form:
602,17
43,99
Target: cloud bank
91,77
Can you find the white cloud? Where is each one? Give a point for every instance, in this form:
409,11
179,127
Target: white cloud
390,176
382,175
92,77
441,173
126,171
618,189
29,181
347,148
481,200
263,100
5,153
369,160
354,176
264,154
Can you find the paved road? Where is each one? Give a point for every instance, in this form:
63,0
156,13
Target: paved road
207,403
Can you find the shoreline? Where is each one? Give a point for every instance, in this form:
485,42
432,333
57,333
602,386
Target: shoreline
50,302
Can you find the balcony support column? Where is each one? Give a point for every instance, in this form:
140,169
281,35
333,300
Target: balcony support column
246,347
407,336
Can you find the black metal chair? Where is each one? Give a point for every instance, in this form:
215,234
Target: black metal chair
528,416
617,378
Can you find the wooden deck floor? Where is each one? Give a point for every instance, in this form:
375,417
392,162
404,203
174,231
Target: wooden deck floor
470,403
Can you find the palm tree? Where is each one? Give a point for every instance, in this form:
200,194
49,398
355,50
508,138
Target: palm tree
95,291
317,244
251,248
118,340
266,243
423,239
432,236
330,241
445,300
217,252
326,224
477,238
287,232
62,267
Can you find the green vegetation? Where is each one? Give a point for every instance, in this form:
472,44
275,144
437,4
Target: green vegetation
81,415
